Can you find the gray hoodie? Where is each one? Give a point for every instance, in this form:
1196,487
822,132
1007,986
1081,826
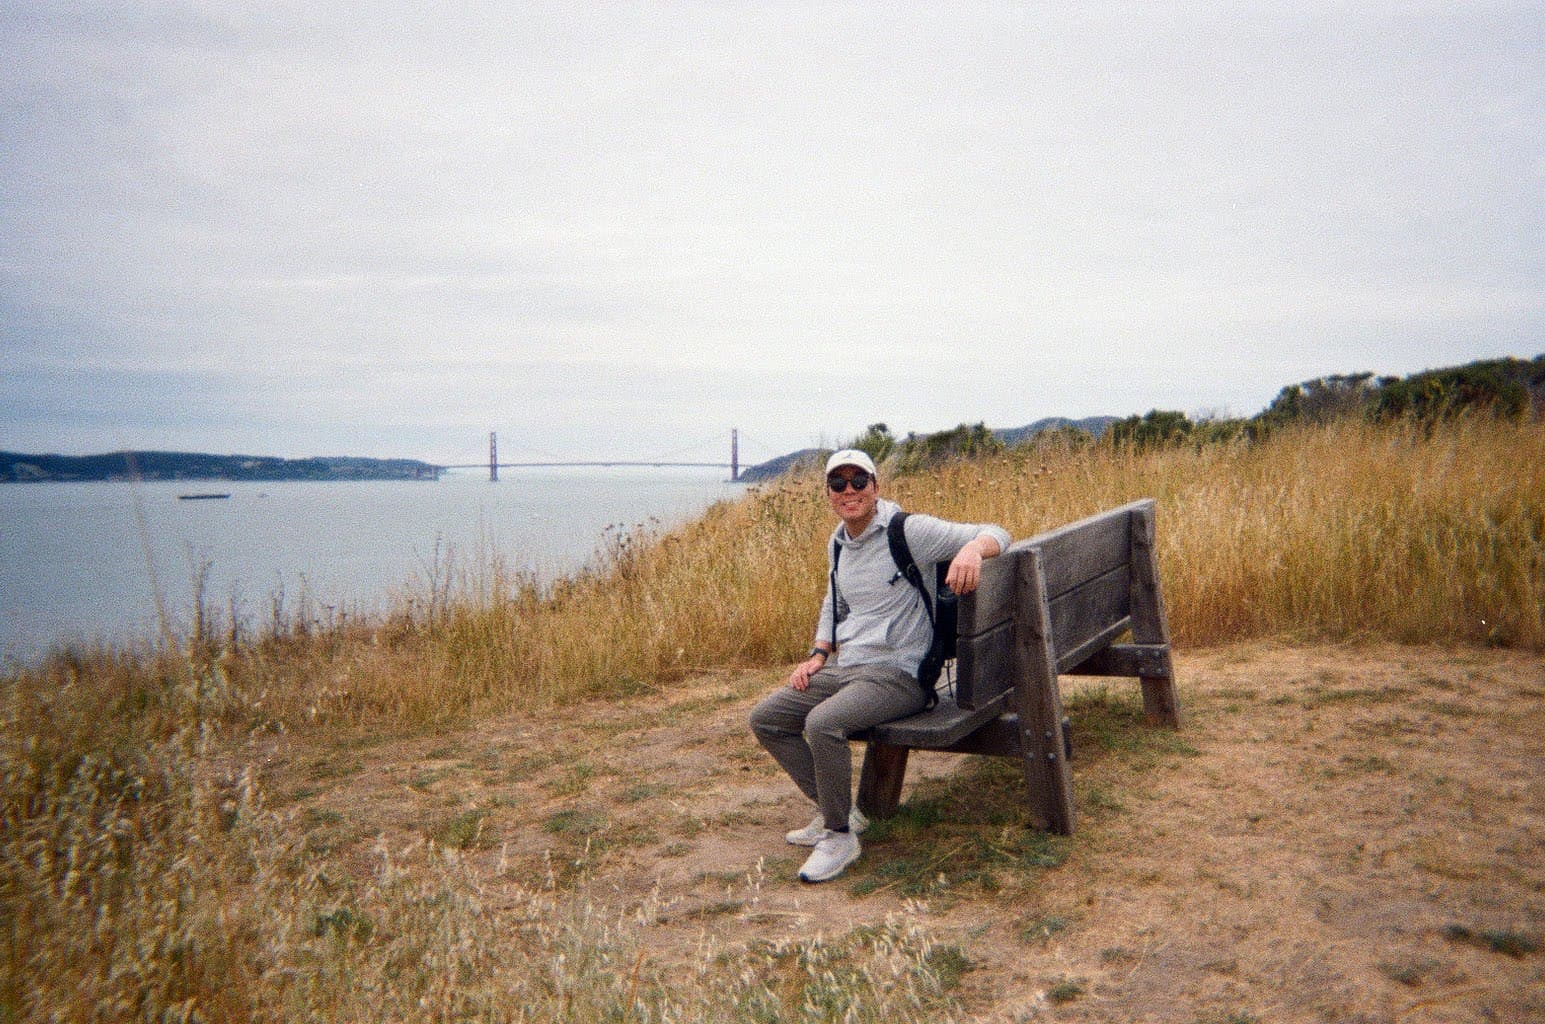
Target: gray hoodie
880,616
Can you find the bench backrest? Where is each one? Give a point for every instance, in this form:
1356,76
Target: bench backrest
1087,569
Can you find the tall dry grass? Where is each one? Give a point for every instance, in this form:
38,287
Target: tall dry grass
1398,531
142,878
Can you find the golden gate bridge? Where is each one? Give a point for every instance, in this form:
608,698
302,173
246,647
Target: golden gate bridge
494,465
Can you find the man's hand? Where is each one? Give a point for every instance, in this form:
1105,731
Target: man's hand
800,677
965,572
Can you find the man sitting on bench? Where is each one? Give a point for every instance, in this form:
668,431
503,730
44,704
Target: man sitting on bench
880,630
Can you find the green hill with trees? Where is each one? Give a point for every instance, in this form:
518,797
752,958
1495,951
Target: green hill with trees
1508,388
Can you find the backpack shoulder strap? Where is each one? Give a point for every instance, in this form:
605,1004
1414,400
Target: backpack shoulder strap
901,554
836,556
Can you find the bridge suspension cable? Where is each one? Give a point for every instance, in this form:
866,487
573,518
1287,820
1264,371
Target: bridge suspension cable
675,457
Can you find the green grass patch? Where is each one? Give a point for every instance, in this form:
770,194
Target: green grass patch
1112,721
1065,990
465,831
965,831
574,781
575,821
1096,798
1106,721
1042,929
343,923
1372,763
332,768
642,791
1448,708
425,780
949,964
1321,696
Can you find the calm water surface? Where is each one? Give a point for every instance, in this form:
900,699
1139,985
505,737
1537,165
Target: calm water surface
86,561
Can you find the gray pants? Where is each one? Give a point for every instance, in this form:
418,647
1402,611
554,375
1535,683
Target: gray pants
806,731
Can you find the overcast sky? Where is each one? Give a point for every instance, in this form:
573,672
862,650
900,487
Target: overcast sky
622,229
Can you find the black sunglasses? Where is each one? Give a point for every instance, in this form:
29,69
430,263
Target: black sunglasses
838,484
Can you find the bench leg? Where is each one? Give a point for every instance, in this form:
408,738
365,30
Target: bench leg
1039,701
1161,705
1150,624
879,783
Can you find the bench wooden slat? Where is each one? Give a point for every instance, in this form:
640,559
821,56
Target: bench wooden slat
1091,547
1085,651
1077,563
1124,660
1069,555
938,727
1088,611
984,666
992,603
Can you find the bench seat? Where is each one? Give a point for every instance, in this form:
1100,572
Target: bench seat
941,726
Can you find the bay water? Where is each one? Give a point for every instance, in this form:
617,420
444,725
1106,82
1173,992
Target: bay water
116,562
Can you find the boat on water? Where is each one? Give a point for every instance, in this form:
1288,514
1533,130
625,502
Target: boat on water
201,497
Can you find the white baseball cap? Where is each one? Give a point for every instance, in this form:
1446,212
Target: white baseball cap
851,457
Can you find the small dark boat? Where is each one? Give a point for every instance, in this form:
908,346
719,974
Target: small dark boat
200,497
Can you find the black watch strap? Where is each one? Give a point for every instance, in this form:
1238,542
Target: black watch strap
825,655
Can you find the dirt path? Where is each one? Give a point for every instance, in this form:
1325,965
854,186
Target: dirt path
1337,834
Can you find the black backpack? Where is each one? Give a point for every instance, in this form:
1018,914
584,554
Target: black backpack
943,617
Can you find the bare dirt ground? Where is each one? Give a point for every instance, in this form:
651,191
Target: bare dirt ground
1350,834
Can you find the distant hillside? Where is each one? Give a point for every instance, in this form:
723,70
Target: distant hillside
18,468
1095,426
774,468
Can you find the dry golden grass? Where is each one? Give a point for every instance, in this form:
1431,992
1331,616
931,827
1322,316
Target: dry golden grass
141,876
1397,531
1353,530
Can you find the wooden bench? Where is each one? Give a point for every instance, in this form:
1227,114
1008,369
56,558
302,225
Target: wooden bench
1051,605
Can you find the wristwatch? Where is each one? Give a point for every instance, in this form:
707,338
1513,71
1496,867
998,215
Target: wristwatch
825,655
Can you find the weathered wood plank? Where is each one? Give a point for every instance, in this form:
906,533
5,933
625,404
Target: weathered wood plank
1070,555
1150,624
1039,702
1084,651
991,604
1073,554
1124,660
1090,609
939,726
1000,737
984,666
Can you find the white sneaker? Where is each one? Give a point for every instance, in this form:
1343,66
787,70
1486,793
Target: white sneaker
832,855
815,831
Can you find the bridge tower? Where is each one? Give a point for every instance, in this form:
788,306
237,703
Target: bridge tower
493,457
734,454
